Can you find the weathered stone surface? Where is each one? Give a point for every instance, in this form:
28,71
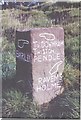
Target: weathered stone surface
48,63
24,61
43,50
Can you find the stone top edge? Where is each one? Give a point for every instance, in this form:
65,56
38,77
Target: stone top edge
42,28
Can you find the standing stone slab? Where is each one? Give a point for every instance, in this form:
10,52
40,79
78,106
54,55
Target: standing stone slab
41,52
48,63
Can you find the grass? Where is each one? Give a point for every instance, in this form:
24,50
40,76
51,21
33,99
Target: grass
15,104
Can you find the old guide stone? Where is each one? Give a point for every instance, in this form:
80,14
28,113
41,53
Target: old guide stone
40,60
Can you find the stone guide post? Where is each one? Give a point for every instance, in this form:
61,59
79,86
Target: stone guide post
40,61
